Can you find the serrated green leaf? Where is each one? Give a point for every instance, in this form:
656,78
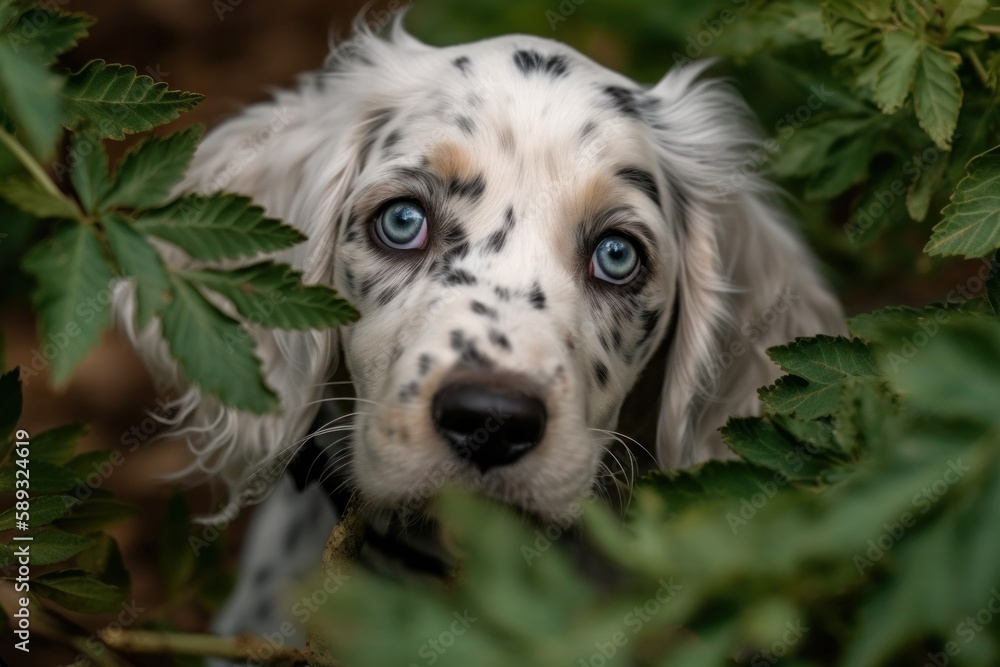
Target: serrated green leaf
10,402
118,101
214,350
759,442
72,273
970,224
148,172
845,164
872,326
806,150
273,296
49,32
142,263
50,546
45,478
42,511
89,173
56,445
220,226
76,591
31,197
937,94
176,558
897,68
793,395
30,100
95,514
712,480
825,359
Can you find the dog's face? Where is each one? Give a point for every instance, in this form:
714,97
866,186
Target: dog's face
509,246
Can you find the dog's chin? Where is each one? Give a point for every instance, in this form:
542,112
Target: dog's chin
414,499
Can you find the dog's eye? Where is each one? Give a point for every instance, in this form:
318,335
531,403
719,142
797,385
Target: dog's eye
402,225
615,260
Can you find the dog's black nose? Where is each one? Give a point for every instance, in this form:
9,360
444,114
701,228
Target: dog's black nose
491,422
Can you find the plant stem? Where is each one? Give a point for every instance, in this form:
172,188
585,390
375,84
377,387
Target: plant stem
977,64
240,648
25,158
990,29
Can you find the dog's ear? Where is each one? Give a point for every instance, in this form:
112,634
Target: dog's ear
746,281
298,157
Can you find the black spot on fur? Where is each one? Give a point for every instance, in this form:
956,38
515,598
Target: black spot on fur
466,125
500,340
472,188
502,293
498,239
537,297
366,286
528,61
588,129
649,319
392,139
480,308
601,373
462,63
424,364
468,353
263,575
453,276
641,179
349,279
457,251
616,339
622,99
387,295
408,391
351,236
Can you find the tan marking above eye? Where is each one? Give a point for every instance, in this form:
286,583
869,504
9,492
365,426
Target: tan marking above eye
449,160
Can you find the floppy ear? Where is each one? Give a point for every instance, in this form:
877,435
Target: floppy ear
746,281
297,156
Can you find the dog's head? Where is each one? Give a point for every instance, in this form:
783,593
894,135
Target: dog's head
521,230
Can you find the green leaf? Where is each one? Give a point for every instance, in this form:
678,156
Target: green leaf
50,546
273,296
148,172
118,101
806,150
961,12
712,480
937,94
898,65
89,173
220,226
76,591
104,562
970,224
57,445
72,274
845,164
10,402
42,510
140,261
825,359
215,351
49,32
95,514
31,197
920,191
29,94
759,442
176,558
45,478
793,395
992,286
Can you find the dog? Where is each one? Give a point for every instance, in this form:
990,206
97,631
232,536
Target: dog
526,234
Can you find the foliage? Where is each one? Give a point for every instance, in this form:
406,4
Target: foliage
858,525
102,225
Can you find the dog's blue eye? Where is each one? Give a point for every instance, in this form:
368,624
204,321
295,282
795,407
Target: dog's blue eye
615,260
402,225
